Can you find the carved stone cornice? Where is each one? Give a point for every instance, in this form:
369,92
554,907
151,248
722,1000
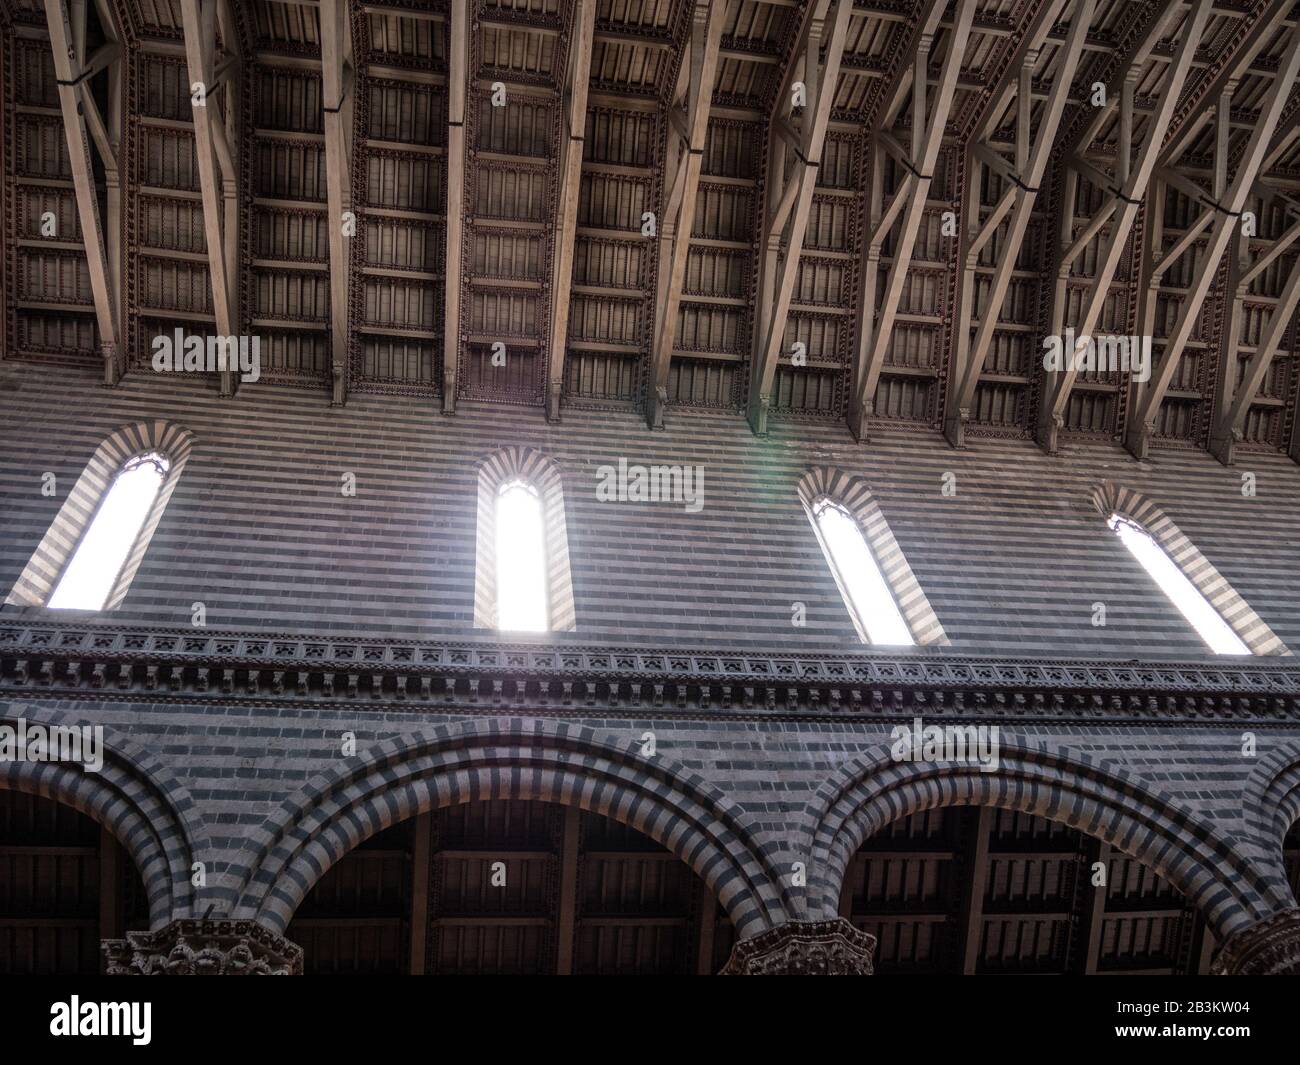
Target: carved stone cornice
804,948
203,948
60,659
1269,948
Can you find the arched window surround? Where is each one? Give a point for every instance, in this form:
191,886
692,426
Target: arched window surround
532,467
48,562
1110,498
851,494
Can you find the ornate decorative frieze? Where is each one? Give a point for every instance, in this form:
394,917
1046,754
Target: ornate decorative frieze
1270,948
805,948
59,658
203,948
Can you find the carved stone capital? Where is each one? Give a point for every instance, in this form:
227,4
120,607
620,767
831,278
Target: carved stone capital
1269,948
804,948
191,947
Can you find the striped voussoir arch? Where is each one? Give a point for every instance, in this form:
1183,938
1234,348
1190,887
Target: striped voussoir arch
530,465
1103,800
134,795
852,493
557,762
1250,628
1272,805
42,571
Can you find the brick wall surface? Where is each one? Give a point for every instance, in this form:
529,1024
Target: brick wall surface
258,531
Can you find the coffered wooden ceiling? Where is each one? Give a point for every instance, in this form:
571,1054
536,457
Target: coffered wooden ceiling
647,223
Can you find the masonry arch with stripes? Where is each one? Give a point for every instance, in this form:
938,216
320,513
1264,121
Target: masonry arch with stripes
135,796
519,759
1100,799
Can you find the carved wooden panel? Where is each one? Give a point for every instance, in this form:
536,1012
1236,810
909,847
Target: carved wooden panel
48,302
290,235
289,170
398,359
291,296
508,256
718,321
814,381
399,253
698,383
512,135
405,40
173,285
157,18
292,29
167,268
611,307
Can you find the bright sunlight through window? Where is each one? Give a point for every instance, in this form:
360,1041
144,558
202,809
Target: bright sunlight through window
1181,591
869,596
89,577
521,560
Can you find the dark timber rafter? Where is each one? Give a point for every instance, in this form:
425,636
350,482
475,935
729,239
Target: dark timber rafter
337,79
789,195
876,325
216,109
82,124
1225,206
685,158
457,73
1033,149
577,78
1123,197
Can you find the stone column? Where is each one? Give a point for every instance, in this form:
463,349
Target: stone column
193,947
804,948
1269,948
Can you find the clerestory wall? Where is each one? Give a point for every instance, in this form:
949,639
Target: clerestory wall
260,532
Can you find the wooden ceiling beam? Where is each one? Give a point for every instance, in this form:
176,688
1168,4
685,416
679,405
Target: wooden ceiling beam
220,191
1123,197
337,77
1119,89
577,78
1091,904
684,162
976,869
457,89
1227,204
788,205
82,124
876,324
1259,34
1234,399
1033,149
1013,84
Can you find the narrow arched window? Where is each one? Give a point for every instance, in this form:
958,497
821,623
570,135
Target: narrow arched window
93,570
866,592
522,581
93,548
1198,610
523,603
